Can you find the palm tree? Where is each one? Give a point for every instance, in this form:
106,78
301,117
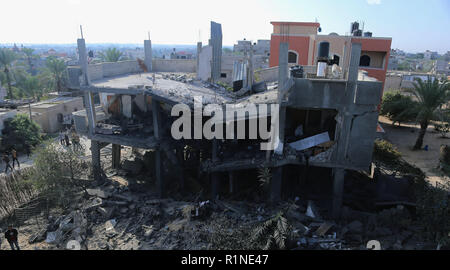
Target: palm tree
431,95
111,55
29,55
6,59
57,67
31,87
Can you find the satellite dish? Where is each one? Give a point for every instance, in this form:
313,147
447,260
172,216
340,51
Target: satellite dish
320,29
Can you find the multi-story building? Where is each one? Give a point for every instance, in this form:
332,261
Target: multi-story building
304,40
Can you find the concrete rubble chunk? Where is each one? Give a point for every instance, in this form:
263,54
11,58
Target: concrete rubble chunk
309,142
312,211
98,192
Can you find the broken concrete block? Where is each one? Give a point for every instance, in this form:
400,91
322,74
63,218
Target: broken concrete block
110,224
98,192
310,141
312,211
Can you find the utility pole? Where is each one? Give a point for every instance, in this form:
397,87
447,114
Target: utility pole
29,109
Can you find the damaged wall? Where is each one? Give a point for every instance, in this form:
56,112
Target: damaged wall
327,94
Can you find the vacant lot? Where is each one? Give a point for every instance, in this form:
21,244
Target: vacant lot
405,136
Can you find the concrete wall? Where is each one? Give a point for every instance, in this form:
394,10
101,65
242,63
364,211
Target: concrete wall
47,118
392,82
271,74
119,68
174,65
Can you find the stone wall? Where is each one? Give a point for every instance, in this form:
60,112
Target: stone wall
174,65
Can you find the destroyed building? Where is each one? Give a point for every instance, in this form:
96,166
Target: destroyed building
324,122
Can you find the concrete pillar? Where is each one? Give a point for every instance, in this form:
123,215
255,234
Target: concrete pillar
116,156
283,70
216,42
343,129
214,175
148,54
90,111
199,50
82,59
96,167
338,189
275,184
157,133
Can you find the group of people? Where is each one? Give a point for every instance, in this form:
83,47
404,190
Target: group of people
64,139
12,236
7,160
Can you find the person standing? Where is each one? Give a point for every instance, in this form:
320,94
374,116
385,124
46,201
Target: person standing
14,157
7,165
12,236
66,138
61,138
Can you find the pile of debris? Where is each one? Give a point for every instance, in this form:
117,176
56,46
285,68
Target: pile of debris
179,78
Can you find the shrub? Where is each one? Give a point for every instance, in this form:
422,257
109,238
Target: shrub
57,172
385,151
433,211
398,108
20,132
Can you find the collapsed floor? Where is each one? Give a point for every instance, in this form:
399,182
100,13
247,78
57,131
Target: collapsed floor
125,214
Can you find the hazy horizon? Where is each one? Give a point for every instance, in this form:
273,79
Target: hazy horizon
173,22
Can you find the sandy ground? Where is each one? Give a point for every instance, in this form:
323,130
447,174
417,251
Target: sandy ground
404,138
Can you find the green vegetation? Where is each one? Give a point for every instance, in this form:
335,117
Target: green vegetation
57,68
111,55
7,57
431,95
398,108
21,133
57,173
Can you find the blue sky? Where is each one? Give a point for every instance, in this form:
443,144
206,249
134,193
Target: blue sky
414,25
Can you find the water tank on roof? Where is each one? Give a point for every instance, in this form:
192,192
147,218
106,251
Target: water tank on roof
357,33
324,49
354,26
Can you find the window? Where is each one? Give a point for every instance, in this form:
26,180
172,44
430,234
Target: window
364,61
292,57
223,75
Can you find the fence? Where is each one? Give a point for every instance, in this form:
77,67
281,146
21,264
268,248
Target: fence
14,193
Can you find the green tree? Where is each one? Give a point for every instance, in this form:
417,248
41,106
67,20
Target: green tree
29,57
431,95
57,67
20,132
57,172
398,108
111,55
7,57
31,87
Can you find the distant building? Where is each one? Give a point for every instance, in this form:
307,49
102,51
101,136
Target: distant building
53,114
304,40
261,47
443,67
429,55
180,55
400,80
